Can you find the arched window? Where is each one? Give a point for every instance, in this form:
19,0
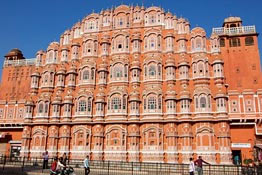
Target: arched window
118,71
152,70
46,78
92,74
89,105
152,43
82,106
46,107
249,41
116,103
151,103
85,75
201,68
196,101
152,19
233,25
203,102
198,43
41,108
159,69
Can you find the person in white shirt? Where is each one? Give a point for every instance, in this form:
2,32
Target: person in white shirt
60,165
191,167
86,165
45,160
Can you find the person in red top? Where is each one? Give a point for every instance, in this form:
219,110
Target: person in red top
199,163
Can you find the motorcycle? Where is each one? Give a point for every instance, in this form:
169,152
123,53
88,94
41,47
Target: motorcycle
66,171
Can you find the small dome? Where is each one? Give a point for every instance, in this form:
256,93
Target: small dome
14,52
232,19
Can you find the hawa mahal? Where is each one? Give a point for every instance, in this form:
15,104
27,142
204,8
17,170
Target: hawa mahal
136,84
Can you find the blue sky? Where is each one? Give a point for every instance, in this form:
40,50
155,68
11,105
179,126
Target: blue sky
31,25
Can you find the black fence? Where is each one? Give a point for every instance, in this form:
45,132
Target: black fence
24,165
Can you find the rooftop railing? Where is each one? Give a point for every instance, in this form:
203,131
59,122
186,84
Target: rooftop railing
24,62
234,30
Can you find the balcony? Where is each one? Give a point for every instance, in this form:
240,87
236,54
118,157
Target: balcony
234,30
24,62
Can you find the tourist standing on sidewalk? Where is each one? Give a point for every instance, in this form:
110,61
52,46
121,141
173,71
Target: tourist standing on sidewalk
45,160
86,165
199,165
191,167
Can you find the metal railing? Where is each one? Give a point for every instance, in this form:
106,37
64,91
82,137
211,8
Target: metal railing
234,30
24,165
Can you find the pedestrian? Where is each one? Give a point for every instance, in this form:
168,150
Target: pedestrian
191,167
53,169
64,159
259,169
45,160
236,160
86,165
199,165
60,166
250,169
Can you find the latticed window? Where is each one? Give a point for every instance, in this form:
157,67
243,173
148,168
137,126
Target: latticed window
151,103
198,43
92,74
118,72
46,107
159,69
40,108
116,103
222,42
82,106
152,70
202,102
89,105
249,41
152,19
234,42
159,102
86,75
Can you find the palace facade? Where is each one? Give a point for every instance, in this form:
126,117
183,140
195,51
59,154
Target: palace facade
136,84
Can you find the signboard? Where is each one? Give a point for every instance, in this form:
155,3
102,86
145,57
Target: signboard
240,145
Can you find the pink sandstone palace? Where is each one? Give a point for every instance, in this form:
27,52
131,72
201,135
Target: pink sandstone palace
136,84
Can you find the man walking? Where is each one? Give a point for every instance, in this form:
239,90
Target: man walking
199,165
86,165
45,160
